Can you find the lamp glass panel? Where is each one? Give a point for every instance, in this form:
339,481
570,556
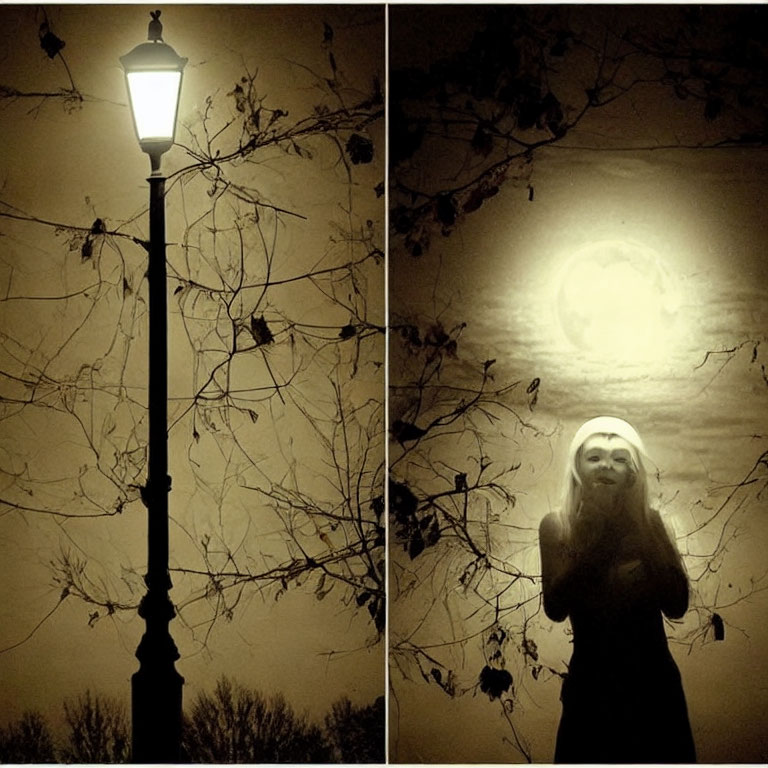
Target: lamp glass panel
153,97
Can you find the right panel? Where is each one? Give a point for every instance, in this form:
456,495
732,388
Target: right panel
577,200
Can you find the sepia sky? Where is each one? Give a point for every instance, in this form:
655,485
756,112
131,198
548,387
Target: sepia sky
70,163
513,271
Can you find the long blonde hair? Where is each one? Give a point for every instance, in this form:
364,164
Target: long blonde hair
610,426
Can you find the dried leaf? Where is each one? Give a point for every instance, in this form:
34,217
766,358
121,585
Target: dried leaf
377,505
415,545
436,335
404,431
86,251
719,626
478,195
433,534
260,331
49,42
445,210
402,501
530,649
410,334
360,149
494,682
239,96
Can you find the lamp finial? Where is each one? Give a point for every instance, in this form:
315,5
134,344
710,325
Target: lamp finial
155,32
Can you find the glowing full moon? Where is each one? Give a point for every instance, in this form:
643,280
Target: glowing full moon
617,298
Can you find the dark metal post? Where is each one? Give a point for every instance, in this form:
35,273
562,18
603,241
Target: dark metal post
156,687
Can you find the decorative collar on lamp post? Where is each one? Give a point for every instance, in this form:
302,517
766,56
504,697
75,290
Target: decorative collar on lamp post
153,72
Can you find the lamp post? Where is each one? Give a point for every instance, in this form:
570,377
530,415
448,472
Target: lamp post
153,73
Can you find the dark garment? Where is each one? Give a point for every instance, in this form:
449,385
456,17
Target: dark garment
622,700
618,712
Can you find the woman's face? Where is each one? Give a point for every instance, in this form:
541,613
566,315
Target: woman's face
605,465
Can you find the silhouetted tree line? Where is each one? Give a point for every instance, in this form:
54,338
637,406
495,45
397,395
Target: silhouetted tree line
231,724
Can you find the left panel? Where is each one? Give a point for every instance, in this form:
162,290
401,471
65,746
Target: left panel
275,235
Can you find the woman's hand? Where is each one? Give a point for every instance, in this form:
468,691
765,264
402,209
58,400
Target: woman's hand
669,579
556,567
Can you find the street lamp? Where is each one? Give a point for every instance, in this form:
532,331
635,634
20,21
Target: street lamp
153,73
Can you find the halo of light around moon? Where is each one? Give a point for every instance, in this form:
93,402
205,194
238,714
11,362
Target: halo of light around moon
617,298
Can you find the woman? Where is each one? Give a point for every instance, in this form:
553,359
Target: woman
609,564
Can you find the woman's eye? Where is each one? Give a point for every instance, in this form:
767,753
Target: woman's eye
621,459
593,458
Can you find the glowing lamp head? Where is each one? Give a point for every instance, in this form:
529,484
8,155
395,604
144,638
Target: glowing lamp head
153,72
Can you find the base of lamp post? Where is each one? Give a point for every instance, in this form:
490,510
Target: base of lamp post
157,688
157,716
